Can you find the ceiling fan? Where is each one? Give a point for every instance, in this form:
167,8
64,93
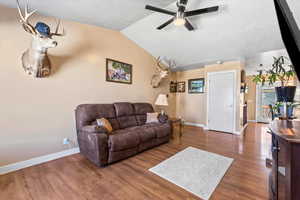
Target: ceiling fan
180,17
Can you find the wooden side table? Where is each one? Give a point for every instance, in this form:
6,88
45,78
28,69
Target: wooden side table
177,126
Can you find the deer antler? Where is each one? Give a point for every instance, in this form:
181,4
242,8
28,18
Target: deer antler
171,64
57,30
24,18
159,64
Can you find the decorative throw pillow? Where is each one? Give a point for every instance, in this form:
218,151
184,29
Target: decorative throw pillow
152,117
105,123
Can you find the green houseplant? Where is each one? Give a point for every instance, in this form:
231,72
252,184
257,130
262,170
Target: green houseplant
278,108
283,71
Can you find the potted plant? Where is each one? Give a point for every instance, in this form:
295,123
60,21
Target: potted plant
278,109
282,71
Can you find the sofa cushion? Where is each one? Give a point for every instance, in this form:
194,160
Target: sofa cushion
141,110
86,114
161,130
125,115
127,121
123,139
145,133
123,109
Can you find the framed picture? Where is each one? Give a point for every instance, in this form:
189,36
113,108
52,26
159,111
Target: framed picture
196,86
181,87
118,72
173,87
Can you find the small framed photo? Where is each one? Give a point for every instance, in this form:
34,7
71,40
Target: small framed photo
118,72
181,87
173,87
196,86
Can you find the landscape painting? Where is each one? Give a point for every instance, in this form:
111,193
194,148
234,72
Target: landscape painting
118,72
196,86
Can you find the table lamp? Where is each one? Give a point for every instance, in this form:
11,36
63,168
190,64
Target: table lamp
162,100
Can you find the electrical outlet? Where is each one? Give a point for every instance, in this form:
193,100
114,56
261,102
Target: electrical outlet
66,141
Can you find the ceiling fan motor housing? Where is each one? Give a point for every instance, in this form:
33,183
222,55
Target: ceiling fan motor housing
181,4
180,15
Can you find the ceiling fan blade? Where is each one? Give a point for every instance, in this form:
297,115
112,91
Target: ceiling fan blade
148,7
165,24
188,25
201,11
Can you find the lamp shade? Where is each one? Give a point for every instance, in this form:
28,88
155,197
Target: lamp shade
162,100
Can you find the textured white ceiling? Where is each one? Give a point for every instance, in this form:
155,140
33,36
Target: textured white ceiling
253,62
240,29
112,14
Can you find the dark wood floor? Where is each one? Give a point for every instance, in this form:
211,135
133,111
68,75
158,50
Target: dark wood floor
75,178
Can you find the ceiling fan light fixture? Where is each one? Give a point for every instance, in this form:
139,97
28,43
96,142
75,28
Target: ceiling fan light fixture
179,21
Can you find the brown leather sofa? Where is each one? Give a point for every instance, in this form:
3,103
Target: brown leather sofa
130,135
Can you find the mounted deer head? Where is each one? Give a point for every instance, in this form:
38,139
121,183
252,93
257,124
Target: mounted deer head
35,59
162,71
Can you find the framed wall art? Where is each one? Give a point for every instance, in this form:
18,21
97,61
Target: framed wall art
173,87
196,86
118,72
181,87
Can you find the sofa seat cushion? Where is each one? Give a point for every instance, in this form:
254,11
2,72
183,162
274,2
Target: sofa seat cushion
145,133
161,130
123,139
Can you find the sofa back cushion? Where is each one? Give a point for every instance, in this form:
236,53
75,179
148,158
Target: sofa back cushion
141,110
125,115
87,114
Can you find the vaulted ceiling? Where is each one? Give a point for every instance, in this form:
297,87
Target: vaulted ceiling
241,28
112,14
238,30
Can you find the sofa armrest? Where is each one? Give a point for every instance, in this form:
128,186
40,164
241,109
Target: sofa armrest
94,129
94,146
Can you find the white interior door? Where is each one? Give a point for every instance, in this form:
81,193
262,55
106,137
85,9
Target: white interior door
221,101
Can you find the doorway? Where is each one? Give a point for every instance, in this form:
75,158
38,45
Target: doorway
265,95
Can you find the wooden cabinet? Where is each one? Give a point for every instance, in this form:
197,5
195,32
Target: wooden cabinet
245,114
284,180
177,126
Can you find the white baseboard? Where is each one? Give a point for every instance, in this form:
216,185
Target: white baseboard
206,128
252,121
195,124
35,161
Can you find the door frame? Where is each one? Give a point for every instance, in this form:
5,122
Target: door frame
209,74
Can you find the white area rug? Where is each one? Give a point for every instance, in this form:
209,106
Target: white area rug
196,171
